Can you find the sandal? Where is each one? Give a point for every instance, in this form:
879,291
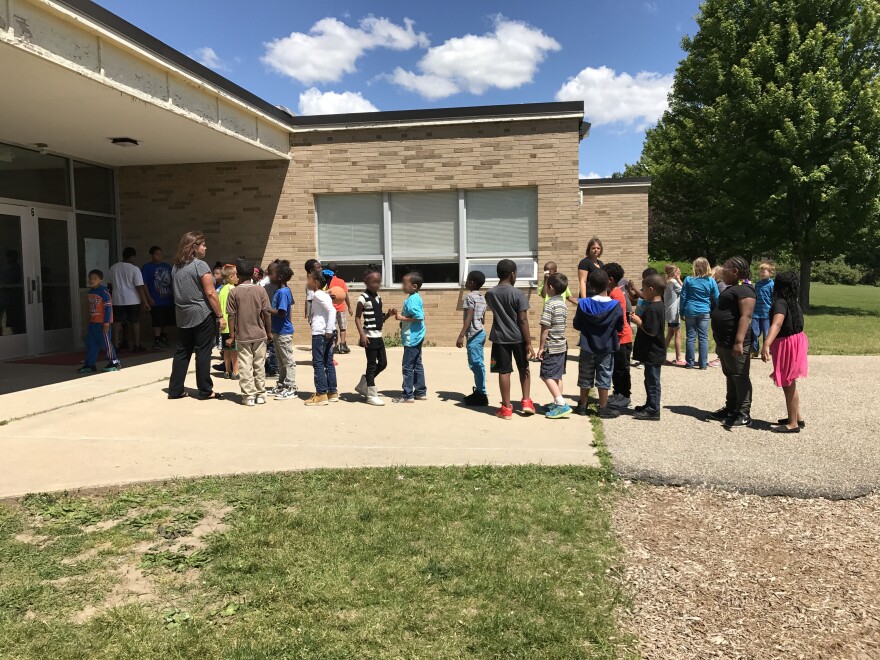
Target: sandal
212,396
179,396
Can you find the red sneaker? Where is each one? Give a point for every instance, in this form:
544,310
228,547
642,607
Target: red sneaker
528,408
504,412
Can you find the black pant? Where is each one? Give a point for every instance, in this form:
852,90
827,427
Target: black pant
739,384
376,360
199,339
620,377
652,387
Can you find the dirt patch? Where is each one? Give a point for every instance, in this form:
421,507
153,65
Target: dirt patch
85,555
723,575
32,539
212,523
132,586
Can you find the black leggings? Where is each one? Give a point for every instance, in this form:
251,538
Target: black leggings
376,360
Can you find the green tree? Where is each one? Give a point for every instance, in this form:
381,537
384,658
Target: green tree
772,137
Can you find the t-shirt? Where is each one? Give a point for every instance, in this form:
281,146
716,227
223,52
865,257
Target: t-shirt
506,302
223,297
374,317
412,333
475,301
126,277
725,317
335,281
282,300
626,335
157,279
671,299
189,297
565,296
589,266
323,314
555,317
789,327
764,295
100,305
650,345
246,304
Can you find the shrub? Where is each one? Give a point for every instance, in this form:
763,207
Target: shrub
836,271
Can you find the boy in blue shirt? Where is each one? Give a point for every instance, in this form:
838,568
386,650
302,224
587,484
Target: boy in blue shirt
100,318
160,295
412,335
763,302
282,330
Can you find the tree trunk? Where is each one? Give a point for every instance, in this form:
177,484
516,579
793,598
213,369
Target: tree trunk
806,270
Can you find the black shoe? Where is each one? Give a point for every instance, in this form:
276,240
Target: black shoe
608,413
785,429
476,399
737,422
218,367
719,415
647,415
581,409
156,345
163,340
784,422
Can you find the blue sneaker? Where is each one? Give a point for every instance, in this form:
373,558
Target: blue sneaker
550,406
558,412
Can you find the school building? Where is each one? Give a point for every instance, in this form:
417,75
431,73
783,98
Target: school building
110,138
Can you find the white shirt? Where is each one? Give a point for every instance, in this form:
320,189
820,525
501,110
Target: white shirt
323,314
126,277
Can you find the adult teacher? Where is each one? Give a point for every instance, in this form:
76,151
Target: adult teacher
198,311
588,264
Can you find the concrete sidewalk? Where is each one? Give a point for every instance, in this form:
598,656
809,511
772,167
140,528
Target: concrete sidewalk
139,435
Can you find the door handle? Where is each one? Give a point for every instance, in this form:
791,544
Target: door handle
30,291
39,290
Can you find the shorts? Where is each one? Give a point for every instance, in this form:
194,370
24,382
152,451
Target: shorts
595,370
127,313
553,366
341,320
504,355
673,324
163,316
223,347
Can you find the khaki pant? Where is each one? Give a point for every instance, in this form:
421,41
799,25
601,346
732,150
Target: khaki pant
252,367
286,361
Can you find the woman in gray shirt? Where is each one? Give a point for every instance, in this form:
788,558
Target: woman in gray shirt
198,311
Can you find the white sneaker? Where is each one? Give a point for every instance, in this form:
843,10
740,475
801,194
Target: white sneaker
286,394
361,387
373,397
249,401
260,399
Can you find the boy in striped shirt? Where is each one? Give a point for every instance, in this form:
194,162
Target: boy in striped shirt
553,347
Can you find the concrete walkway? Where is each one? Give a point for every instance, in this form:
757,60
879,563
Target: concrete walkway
837,456
137,434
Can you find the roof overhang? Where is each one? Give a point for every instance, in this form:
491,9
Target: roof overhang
72,82
622,184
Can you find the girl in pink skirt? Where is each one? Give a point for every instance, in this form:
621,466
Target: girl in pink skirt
787,343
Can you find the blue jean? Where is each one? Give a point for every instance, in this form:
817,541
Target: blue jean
652,387
697,325
413,372
477,361
322,361
271,359
759,327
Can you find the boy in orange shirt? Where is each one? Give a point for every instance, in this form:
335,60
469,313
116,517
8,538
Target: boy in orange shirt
341,309
100,318
621,377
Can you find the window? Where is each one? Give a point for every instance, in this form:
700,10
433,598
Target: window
443,235
32,176
93,188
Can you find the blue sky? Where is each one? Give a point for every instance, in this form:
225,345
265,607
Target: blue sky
344,56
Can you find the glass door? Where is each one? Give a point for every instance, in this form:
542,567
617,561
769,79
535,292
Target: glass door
16,297
54,311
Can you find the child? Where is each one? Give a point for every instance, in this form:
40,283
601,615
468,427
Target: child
323,323
650,347
230,355
553,347
620,377
282,330
100,318
412,334
763,302
266,279
369,319
600,320
671,299
788,345
341,308
510,337
699,293
550,269
250,329
474,336
310,265
636,298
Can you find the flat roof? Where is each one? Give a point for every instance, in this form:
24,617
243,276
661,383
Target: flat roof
616,181
111,21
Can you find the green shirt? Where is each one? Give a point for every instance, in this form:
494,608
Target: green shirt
223,295
565,296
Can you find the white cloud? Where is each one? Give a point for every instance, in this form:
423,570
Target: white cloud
210,59
315,102
651,7
591,175
506,58
612,98
331,48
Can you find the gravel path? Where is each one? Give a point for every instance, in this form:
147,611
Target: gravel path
837,456
726,575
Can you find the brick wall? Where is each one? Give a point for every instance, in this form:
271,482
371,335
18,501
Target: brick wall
266,210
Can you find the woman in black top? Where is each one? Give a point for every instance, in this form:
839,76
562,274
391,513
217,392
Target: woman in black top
788,345
732,327
588,264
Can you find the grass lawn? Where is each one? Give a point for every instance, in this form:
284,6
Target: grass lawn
476,562
843,320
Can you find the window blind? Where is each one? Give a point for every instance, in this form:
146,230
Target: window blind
502,221
349,225
424,225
